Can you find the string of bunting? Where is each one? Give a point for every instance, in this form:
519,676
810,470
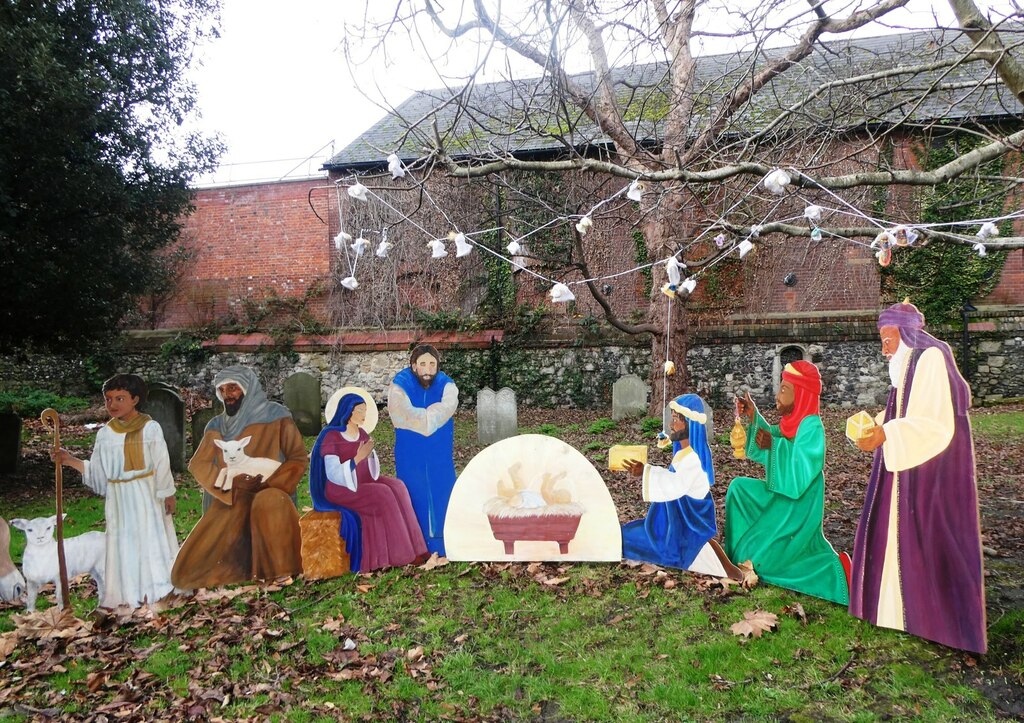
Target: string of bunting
777,182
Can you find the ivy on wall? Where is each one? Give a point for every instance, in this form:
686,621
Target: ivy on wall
940,277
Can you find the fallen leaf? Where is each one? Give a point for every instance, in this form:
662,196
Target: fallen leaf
797,611
755,623
555,580
414,654
434,561
95,681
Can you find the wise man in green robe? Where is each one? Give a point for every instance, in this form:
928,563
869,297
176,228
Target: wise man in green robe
776,522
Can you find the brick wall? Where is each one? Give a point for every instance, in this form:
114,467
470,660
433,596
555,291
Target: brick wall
250,242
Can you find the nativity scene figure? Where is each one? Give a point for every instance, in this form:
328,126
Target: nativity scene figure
377,521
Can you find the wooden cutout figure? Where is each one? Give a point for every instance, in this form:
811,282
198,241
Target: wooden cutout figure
531,498
776,522
422,401
680,527
376,520
917,561
131,468
251,531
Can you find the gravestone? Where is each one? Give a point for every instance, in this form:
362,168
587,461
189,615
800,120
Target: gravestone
496,415
629,397
10,442
165,406
302,397
200,418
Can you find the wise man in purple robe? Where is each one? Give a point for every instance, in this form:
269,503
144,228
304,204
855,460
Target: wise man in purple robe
917,562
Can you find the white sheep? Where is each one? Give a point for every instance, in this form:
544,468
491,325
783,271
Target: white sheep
82,554
238,462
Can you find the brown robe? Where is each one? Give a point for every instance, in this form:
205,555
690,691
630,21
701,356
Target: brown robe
246,534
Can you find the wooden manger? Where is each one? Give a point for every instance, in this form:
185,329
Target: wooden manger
560,528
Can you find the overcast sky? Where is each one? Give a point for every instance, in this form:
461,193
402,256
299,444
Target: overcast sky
276,86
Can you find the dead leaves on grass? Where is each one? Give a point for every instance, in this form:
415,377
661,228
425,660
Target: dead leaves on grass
755,623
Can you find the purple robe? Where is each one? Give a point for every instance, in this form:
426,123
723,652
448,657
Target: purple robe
940,561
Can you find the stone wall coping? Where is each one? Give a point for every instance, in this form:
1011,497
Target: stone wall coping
386,340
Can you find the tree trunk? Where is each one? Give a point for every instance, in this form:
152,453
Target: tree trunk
666,232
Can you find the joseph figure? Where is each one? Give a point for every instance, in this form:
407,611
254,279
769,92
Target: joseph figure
250,532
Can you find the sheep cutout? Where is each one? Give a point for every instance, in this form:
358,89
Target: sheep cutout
531,498
12,583
237,462
83,554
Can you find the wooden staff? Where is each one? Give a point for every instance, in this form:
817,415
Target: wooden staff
50,418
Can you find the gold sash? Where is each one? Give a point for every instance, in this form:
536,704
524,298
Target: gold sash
134,454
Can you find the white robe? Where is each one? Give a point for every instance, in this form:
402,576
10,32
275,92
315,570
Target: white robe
141,543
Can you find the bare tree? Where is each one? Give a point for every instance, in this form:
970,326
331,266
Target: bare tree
617,92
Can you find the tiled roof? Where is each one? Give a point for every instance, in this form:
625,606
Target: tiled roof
496,120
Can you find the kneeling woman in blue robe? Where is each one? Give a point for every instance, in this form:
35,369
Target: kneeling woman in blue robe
679,528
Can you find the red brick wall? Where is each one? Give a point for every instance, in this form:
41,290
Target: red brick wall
250,242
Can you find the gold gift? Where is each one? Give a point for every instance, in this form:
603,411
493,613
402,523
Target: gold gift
621,452
859,426
738,440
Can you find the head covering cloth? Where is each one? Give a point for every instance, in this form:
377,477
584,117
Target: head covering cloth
694,410
806,381
909,321
255,409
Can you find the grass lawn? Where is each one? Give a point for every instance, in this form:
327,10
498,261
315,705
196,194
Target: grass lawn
509,641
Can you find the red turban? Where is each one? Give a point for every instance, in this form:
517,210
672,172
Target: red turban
806,381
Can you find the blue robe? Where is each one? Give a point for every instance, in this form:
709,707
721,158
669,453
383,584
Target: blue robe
674,532
425,463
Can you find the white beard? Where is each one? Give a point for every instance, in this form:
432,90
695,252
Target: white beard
897,363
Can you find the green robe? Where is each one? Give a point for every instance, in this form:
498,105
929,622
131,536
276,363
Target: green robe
776,524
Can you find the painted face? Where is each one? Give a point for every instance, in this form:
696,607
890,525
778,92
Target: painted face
425,370
786,398
679,428
358,415
890,336
120,404
232,395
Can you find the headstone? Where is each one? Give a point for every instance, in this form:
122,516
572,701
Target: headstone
10,442
629,397
200,418
496,415
302,397
166,407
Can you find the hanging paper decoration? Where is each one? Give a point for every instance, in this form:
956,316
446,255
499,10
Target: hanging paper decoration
437,250
341,239
636,191
720,240
884,256
813,213
904,235
979,248
360,245
382,249
987,230
745,247
776,181
395,166
670,367
561,294
350,283
673,268
816,234
584,224
884,240
358,191
462,247
689,285
664,442
514,248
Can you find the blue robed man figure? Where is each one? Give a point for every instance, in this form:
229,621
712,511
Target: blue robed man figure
679,528
422,401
